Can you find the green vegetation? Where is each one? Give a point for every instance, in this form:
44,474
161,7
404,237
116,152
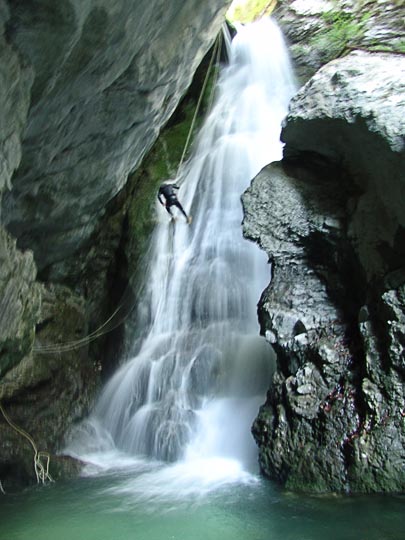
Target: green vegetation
162,163
343,31
346,31
397,48
246,11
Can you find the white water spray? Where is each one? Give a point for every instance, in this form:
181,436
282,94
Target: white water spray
195,385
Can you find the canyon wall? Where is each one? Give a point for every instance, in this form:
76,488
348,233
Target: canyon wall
330,216
86,87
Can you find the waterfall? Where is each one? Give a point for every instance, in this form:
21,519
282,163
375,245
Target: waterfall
201,371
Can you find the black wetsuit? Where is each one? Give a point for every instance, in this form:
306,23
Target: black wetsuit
168,192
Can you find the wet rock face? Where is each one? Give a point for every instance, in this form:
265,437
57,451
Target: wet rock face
351,113
106,78
48,390
20,302
320,30
330,216
86,86
19,294
14,103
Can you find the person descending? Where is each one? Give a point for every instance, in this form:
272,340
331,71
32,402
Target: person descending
168,198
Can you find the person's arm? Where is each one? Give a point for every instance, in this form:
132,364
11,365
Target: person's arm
160,198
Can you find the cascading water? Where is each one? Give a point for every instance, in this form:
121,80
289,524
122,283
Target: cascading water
201,372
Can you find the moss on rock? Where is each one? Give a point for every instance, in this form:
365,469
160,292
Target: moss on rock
49,389
321,31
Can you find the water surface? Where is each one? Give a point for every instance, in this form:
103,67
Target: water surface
134,505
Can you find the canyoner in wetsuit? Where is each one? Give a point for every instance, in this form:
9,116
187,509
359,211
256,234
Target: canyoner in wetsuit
167,190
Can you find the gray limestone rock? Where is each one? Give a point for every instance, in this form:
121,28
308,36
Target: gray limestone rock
107,77
319,31
20,302
51,388
352,113
15,87
331,218
86,87
297,216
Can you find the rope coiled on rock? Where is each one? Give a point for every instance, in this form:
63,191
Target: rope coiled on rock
41,470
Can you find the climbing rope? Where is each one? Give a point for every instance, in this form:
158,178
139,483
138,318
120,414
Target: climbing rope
216,73
41,470
78,343
106,327
215,54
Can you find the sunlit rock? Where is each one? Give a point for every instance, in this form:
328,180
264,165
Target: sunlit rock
320,30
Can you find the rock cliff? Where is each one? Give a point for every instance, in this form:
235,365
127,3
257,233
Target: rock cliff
105,79
86,87
330,216
319,31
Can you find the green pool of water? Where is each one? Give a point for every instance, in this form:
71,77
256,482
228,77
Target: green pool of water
171,503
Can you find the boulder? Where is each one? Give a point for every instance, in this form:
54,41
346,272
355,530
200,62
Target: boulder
330,217
351,114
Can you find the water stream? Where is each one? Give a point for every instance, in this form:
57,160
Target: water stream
191,391
168,447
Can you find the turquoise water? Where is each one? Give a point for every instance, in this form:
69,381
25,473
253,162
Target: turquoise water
114,507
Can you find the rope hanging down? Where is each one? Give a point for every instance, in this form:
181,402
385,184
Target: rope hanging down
106,327
41,470
76,344
216,53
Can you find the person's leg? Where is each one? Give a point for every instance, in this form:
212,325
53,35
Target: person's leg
168,209
177,203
